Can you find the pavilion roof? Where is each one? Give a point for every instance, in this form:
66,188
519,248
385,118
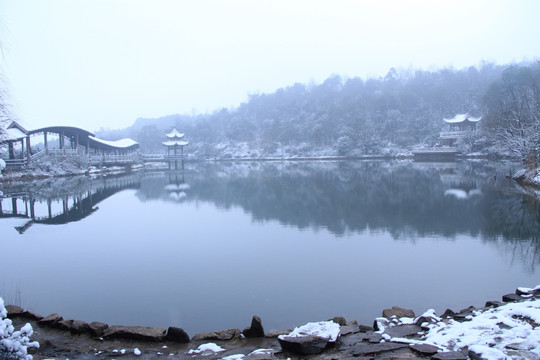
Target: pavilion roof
175,143
460,118
175,134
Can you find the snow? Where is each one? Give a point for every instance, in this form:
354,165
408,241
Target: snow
136,351
208,347
462,117
490,331
175,143
233,357
175,134
122,143
14,344
324,329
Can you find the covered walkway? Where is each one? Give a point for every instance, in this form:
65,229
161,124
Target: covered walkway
21,150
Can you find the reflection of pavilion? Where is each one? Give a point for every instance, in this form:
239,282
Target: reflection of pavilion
174,143
69,206
177,187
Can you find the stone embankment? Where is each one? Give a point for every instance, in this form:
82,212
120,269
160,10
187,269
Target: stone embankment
399,333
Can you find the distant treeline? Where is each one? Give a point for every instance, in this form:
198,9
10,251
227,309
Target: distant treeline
346,116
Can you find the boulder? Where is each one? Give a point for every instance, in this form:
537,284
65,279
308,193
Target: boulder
348,329
64,325
494,304
80,327
304,345
365,328
424,349
14,311
255,330
449,355
31,315
364,349
401,331
340,320
217,335
50,320
177,335
398,312
143,333
97,328
511,298
276,333
448,313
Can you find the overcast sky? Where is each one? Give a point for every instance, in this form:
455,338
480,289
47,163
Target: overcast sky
104,63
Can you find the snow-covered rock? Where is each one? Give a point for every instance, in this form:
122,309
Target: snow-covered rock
311,338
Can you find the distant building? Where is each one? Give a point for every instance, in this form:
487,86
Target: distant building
173,144
456,128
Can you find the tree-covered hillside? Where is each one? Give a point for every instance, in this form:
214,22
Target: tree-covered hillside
338,117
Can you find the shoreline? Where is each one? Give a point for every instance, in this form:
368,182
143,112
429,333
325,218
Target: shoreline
398,333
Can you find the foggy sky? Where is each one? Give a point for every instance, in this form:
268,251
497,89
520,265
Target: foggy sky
104,63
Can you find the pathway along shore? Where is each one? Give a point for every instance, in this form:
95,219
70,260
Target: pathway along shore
501,329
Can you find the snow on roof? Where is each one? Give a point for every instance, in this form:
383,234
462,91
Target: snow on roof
14,134
461,118
175,134
175,142
122,143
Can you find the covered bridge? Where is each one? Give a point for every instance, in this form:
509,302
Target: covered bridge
23,144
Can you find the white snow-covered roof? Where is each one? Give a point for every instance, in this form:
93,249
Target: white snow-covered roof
461,118
175,142
122,143
175,134
14,134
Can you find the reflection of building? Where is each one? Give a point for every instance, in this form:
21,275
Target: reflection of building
174,143
456,128
177,187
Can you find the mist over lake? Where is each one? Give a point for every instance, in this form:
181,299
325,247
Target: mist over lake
208,247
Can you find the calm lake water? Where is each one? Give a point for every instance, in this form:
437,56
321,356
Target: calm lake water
292,242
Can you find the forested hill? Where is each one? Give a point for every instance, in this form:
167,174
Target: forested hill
338,117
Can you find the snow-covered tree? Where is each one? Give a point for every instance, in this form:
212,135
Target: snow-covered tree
513,116
14,344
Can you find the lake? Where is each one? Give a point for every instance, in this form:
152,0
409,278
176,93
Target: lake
206,248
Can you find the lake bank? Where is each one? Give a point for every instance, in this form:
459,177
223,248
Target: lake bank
399,333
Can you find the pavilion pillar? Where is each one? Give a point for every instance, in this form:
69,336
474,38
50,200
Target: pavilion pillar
22,148
14,205
62,142
46,143
32,209
28,150
49,208
11,151
87,146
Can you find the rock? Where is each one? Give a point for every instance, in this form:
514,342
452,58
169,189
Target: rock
50,320
31,315
80,327
398,312
348,329
524,291
14,311
304,345
217,335
177,335
97,328
448,313
373,337
449,355
276,333
64,325
354,322
470,309
256,329
134,333
424,349
494,304
364,349
340,320
365,328
511,298
401,331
